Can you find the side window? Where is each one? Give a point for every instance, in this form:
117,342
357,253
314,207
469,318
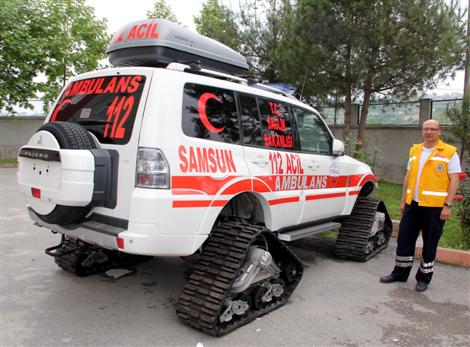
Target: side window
313,135
210,113
251,124
276,125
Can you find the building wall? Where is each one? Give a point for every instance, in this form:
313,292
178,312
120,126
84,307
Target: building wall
15,132
391,145
388,144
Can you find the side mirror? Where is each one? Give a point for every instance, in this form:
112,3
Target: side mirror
338,148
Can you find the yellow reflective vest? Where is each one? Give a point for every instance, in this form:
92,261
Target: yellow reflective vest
434,180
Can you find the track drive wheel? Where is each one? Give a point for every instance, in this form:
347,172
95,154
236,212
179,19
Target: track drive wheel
84,259
365,232
238,277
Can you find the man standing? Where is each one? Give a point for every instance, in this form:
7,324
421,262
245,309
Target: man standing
429,187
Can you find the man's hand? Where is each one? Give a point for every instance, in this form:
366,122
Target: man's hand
402,206
453,186
445,213
403,196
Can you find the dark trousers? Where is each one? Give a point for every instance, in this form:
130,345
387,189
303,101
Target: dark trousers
414,219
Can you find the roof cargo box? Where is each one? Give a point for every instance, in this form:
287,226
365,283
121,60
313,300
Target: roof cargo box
158,42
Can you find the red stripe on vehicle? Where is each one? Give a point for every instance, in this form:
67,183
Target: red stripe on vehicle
206,184
356,192
353,180
283,200
337,181
260,186
324,196
238,187
219,203
191,203
367,178
186,192
198,203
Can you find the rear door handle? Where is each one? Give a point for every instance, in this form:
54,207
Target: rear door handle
260,160
313,164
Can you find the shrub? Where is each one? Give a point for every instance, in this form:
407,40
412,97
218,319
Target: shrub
463,209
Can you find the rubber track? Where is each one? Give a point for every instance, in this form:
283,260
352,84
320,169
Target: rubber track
354,233
71,254
204,294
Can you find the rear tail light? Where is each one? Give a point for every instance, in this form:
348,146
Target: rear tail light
120,242
152,169
36,192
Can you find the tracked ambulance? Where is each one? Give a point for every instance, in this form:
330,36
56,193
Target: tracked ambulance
173,153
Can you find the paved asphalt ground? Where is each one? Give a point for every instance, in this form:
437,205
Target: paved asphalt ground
337,303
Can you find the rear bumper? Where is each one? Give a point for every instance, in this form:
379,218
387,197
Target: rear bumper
141,239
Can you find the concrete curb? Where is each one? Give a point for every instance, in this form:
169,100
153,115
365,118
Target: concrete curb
8,165
444,255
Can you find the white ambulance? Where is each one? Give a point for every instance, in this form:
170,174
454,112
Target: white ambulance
172,153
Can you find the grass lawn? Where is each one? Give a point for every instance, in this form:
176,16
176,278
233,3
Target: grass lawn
8,161
391,194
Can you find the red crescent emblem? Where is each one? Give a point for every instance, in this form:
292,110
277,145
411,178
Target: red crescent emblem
58,108
201,107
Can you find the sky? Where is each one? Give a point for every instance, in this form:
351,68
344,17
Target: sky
121,12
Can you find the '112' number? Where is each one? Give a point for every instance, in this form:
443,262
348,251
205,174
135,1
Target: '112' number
117,107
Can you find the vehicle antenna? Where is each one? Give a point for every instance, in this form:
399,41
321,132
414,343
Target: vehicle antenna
303,84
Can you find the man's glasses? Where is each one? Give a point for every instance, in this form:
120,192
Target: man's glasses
430,129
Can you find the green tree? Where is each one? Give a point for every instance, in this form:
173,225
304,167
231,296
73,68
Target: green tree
162,10
21,39
264,25
255,30
460,127
359,48
76,43
49,40
218,22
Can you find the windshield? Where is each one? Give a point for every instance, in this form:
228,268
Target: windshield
105,106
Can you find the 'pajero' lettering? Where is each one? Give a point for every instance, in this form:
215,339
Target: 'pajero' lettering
206,160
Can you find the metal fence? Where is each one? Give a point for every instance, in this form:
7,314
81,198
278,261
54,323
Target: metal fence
439,108
404,113
394,113
333,115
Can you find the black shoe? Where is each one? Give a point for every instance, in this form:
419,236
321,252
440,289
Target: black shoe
390,279
421,286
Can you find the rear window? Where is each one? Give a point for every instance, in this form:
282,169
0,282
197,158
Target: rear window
105,106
